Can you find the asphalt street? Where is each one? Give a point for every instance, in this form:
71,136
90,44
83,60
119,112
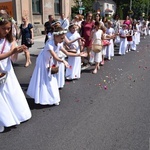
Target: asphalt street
106,111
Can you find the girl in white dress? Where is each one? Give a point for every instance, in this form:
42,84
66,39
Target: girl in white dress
110,48
123,40
14,108
105,37
97,36
74,71
129,38
133,46
43,86
138,27
61,73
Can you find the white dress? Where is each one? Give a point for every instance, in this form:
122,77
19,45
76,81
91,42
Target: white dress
74,71
110,47
104,47
138,36
133,46
43,86
97,37
123,42
14,108
61,73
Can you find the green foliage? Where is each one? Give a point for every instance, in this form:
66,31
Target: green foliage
138,7
123,8
87,4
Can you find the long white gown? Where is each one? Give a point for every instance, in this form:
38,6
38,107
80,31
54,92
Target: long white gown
43,86
110,47
74,71
97,39
61,73
123,42
14,108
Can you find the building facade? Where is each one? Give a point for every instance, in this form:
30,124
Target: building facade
105,7
38,11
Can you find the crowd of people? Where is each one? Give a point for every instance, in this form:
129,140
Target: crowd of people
70,47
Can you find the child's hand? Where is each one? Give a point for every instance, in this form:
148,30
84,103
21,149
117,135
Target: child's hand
83,54
19,49
66,64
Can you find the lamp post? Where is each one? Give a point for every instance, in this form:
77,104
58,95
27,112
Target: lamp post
130,11
130,4
147,7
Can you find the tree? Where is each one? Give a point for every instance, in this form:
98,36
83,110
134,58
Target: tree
141,5
87,4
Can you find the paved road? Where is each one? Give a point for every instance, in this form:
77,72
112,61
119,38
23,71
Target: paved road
106,111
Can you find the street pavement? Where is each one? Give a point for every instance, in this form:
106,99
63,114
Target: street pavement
106,111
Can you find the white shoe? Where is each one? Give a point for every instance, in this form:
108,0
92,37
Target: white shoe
2,129
57,104
85,67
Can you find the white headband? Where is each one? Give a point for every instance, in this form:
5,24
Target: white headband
55,23
59,32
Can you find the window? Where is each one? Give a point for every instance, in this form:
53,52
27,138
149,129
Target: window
57,7
113,7
36,6
107,6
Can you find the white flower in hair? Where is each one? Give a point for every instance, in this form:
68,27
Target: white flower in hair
2,19
59,32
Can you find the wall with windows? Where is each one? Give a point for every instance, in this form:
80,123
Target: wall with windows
38,11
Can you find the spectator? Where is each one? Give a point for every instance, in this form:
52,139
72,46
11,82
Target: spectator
86,29
26,32
127,21
98,18
64,22
47,26
105,21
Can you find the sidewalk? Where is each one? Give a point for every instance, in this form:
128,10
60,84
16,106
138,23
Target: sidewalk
39,38
35,49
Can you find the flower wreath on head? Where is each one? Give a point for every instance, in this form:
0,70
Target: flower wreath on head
2,19
60,32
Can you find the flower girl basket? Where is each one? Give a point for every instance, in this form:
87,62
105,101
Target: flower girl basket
97,45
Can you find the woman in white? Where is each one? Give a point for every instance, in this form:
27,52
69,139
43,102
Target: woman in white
74,71
14,108
123,40
110,48
138,27
43,86
105,37
134,37
96,36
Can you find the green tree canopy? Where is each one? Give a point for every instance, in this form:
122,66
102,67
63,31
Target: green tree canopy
140,8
